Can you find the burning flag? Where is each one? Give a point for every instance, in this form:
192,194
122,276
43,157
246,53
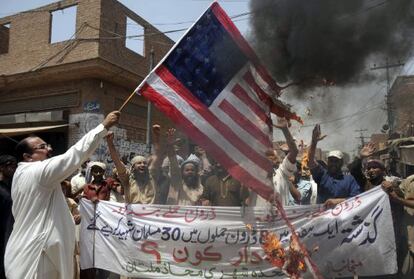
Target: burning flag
213,87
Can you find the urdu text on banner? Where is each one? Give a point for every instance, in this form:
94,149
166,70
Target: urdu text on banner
159,241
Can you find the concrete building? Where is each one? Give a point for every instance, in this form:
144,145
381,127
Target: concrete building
61,85
401,106
401,103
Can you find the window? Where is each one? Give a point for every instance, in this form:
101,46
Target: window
63,25
4,38
134,36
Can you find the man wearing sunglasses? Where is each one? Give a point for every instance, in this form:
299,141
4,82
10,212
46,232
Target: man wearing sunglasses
42,242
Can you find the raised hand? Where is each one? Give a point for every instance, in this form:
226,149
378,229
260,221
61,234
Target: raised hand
368,150
156,132
171,136
316,134
111,119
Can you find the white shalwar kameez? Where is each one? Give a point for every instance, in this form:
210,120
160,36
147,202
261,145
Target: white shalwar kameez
281,184
43,239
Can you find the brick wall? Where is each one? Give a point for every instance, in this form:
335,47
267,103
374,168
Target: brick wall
30,38
4,39
99,74
402,104
114,21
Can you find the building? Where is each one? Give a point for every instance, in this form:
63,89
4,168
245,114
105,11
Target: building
61,83
401,99
401,103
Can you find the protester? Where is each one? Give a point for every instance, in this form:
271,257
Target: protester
79,180
302,182
8,166
141,181
356,166
42,242
117,191
333,186
72,205
281,173
204,168
404,196
221,189
99,188
186,188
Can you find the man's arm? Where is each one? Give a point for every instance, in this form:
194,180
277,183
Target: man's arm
176,179
355,167
57,168
316,137
297,196
283,125
159,154
405,202
120,167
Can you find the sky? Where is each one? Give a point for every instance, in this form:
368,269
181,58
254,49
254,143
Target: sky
360,107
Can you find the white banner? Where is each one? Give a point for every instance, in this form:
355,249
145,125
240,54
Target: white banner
157,241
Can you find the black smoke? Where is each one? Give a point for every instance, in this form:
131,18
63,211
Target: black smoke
315,41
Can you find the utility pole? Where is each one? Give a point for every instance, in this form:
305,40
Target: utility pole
149,108
387,68
362,137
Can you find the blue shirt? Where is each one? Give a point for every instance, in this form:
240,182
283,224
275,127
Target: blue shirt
329,187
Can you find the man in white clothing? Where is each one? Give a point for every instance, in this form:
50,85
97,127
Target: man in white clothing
42,242
282,171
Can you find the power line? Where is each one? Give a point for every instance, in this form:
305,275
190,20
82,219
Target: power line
387,68
361,111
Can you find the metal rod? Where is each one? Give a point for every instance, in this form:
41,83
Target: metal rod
149,108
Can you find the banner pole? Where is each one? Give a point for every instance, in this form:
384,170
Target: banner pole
94,232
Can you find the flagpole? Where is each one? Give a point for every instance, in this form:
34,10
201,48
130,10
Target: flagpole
135,91
126,101
162,60
149,107
94,231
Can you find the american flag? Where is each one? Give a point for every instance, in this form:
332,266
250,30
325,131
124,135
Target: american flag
213,87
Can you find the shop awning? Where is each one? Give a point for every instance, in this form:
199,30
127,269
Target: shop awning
10,132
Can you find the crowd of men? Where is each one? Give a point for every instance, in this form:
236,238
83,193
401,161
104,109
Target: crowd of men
40,194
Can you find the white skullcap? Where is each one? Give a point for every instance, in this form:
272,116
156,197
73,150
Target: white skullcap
336,153
98,164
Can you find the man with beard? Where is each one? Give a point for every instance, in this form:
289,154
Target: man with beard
186,188
141,181
333,186
223,190
42,242
375,176
8,166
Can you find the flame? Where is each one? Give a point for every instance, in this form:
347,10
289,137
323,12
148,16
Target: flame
291,260
305,163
